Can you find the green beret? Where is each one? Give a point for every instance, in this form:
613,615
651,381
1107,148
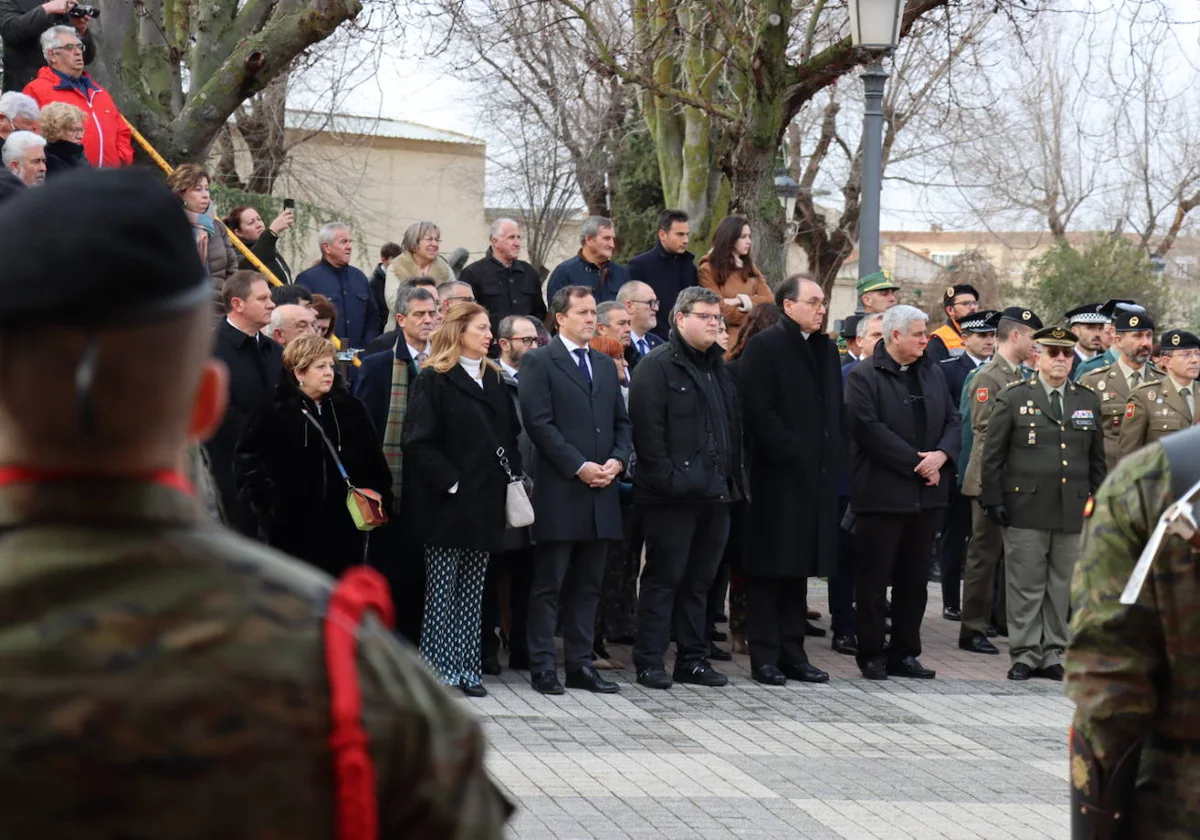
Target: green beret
880,281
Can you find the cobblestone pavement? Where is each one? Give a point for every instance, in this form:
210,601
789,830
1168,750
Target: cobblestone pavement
968,755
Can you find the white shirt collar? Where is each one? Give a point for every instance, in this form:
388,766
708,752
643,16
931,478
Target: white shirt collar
413,352
570,345
509,369
253,335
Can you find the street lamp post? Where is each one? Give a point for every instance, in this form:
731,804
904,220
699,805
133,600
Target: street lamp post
786,189
874,29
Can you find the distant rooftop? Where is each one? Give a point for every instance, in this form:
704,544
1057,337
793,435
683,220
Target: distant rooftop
374,127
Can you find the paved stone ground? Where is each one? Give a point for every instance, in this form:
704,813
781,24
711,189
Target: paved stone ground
968,755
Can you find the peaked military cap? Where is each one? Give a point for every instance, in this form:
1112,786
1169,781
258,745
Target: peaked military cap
1022,316
985,320
1056,336
952,292
1089,313
880,281
126,255
1179,340
850,326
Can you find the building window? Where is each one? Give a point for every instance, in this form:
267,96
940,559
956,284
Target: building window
943,258
1185,267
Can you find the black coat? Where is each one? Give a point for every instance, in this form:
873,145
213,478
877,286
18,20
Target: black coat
687,427
378,284
955,370
451,433
883,437
21,24
286,474
792,404
266,248
255,367
668,274
505,290
571,423
63,156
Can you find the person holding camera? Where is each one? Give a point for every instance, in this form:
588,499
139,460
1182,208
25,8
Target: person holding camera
106,136
21,24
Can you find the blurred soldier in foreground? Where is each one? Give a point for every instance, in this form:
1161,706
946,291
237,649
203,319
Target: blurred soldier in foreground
1131,669
163,677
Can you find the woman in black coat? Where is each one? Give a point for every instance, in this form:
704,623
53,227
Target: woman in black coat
459,415
61,124
263,241
286,473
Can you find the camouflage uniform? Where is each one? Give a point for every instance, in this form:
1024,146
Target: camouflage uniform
1131,671
163,677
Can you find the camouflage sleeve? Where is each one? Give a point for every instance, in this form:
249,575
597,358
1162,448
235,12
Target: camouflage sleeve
428,750
1115,651
1132,435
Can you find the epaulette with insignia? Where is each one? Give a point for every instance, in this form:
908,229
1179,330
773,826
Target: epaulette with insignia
1143,385
1011,385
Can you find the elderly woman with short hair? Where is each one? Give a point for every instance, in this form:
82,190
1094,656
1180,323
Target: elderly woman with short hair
62,125
419,257
189,182
286,472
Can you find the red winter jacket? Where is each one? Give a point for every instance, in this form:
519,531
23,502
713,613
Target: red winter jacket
106,137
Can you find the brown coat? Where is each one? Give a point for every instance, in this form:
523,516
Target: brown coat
735,283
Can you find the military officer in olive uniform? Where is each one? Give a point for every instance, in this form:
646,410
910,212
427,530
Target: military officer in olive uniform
1014,336
163,676
1135,337
1042,460
1155,409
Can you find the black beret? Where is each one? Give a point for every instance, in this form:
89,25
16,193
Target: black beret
98,248
1179,340
1022,316
1089,313
952,292
850,326
1130,320
1056,336
985,320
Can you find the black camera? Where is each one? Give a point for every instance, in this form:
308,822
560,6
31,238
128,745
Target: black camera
84,12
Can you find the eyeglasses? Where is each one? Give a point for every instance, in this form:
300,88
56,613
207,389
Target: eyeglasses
707,317
70,47
653,304
816,303
431,239
1054,352
527,340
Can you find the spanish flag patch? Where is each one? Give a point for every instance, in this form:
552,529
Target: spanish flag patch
1089,507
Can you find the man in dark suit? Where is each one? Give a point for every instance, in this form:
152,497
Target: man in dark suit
669,267
255,364
575,415
643,305
978,344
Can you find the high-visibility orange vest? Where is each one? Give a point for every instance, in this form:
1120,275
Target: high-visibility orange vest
950,336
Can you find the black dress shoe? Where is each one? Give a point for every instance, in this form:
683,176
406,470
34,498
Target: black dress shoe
546,682
589,679
992,632
952,613
874,669
491,666
1020,672
978,644
811,629
718,636
473,689
768,675
910,666
518,661
845,644
804,673
699,673
719,654
654,678
1054,672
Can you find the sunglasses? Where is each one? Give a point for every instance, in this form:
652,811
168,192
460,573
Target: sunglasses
1054,352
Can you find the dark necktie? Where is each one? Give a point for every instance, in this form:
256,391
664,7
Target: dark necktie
643,347
587,374
1056,405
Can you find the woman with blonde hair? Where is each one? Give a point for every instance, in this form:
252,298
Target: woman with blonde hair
460,433
729,270
189,182
286,472
61,125
419,257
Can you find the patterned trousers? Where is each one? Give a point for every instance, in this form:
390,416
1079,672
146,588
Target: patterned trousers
453,601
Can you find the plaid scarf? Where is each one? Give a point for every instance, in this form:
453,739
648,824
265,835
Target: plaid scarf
397,407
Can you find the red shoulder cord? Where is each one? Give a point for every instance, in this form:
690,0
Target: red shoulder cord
31,475
355,807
